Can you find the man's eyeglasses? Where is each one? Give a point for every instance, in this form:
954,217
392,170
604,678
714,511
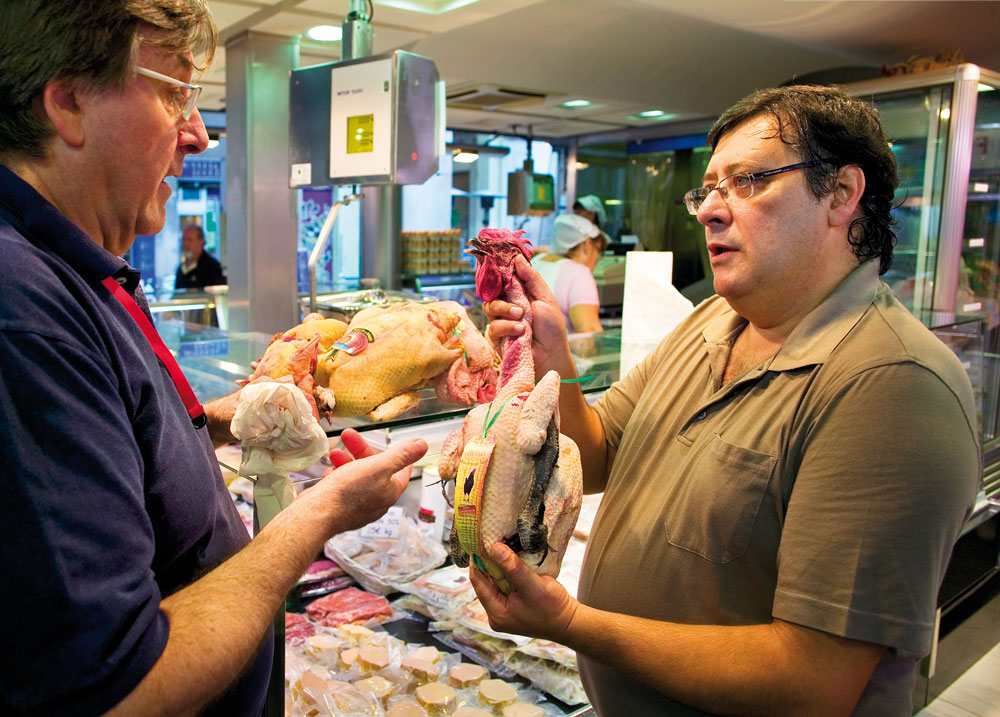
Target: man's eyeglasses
188,101
738,185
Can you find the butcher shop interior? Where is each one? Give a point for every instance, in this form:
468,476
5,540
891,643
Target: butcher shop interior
470,115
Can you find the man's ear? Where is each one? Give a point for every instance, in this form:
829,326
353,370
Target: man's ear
60,101
846,194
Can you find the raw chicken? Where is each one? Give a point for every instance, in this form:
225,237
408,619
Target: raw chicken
375,365
518,480
386,355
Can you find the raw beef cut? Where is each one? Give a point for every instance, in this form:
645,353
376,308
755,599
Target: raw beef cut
348,605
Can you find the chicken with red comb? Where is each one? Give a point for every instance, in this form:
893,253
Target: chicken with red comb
495,249
518,480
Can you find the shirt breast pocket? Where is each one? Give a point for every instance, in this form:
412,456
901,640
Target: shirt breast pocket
717,502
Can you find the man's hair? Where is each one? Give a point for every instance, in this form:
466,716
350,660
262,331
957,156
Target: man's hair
92,43
197,230
825,126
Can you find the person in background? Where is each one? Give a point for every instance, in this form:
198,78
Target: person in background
198,268
130,585
568,269
786,475
591,207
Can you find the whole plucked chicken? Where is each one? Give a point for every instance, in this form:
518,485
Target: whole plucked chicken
518,480
376,365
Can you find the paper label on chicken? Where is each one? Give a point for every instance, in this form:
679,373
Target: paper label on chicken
354,341
469,490
533,482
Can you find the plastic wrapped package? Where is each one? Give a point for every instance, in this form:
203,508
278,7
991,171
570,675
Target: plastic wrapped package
348,605
298,628
548,650
561,682
323,587
384,565
447,588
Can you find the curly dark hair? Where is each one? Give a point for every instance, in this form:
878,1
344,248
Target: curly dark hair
825,126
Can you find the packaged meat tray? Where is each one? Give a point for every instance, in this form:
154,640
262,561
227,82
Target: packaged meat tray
348,605
381,565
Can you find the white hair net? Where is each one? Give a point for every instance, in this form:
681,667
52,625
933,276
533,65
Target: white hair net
569,230
593,203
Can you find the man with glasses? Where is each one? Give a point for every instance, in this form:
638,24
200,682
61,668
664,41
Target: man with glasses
128,585
785,476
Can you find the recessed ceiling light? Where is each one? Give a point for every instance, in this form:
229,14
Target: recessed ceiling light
576,103
428,7
660,116
465,157
325,33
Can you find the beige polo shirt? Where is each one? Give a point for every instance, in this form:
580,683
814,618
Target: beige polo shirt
824,487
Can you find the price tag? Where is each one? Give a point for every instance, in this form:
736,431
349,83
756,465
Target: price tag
385,527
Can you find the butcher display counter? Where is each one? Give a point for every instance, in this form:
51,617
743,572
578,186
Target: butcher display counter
213,360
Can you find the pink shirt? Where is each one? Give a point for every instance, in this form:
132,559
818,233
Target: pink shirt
571,282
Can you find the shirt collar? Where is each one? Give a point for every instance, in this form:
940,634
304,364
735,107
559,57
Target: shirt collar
42,224
821,331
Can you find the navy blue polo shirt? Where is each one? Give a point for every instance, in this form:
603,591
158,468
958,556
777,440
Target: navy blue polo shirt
110,499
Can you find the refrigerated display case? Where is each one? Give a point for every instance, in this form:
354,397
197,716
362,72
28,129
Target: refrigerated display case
944,127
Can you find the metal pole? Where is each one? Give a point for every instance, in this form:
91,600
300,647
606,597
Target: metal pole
382,207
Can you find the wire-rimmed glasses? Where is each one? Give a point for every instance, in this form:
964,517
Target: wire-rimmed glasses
738,185
190,100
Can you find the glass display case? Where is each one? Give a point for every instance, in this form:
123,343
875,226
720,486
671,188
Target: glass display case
944,127
213,360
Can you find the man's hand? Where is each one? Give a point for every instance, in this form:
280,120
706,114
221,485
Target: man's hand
549,344
538,606
364,484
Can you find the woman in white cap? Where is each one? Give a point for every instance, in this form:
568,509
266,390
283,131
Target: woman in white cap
568,269
591,207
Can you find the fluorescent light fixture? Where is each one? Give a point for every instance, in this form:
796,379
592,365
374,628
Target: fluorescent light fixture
213,143
980,188
427,7
576,103
463,157
651,116
581,165
984,88
325,33
612,202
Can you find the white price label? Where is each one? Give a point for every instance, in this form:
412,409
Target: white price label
385,527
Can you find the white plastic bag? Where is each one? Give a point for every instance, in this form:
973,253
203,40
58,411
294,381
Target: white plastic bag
277,430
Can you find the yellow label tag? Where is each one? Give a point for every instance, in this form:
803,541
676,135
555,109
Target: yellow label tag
469,484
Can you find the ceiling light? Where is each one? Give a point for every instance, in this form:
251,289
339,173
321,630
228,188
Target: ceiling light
612,202
463,157
582,165
984,88
325,33
945,113
651,116
213,143
428,7
576,103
